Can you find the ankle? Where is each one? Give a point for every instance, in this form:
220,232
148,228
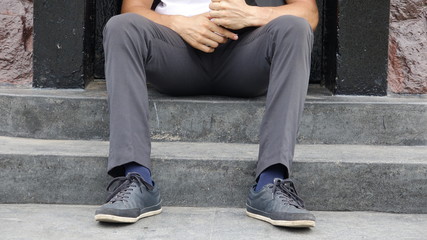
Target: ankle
141,170
269,174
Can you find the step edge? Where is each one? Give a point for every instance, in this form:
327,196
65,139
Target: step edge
206,151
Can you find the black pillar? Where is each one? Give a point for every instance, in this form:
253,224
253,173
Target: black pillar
105,9
362,47
63,43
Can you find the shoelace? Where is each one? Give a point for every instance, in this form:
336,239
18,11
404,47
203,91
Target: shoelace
122,187
287,192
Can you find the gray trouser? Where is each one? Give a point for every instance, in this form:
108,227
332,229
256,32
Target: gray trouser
274,58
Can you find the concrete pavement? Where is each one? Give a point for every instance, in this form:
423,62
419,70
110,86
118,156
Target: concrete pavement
32,221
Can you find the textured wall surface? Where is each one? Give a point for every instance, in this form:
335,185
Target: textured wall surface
16,42
407,68
361,56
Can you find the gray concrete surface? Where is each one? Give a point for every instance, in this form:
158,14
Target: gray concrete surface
74,114
328,177
76,222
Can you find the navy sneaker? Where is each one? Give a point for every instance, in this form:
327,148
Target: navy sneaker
279,204
131,200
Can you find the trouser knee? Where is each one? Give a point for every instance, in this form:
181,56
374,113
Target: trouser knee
126,24
290,29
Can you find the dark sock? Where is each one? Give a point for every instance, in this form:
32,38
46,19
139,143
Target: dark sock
137,168
269,174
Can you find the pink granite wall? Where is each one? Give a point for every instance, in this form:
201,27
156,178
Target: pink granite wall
407,68
16,42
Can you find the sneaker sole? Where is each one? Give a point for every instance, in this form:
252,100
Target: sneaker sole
118,219
283,223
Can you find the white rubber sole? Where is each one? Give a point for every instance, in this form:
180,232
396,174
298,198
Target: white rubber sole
283,223
117,219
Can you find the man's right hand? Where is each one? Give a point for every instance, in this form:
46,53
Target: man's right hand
200,32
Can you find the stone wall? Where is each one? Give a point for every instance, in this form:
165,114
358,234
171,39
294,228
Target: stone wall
16,42
407,67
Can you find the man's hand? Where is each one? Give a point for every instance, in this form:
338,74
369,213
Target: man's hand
232,14
198,31
201,33
236,14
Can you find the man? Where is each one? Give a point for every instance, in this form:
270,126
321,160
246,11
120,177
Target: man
193,47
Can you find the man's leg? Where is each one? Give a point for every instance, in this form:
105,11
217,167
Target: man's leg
277,55
138,50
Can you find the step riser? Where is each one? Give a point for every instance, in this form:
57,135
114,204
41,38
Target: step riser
204,121
218,183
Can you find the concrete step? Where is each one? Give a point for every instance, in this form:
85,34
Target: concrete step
51,222
328,177
82,114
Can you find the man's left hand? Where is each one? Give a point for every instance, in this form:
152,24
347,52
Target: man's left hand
231,14
236,14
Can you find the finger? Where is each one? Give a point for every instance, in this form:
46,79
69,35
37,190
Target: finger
208,34
204,48
224,32
212,32
209,41
197,45
217,37
215,14
215,6
207,37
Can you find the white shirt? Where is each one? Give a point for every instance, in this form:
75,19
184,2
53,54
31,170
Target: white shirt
183,7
